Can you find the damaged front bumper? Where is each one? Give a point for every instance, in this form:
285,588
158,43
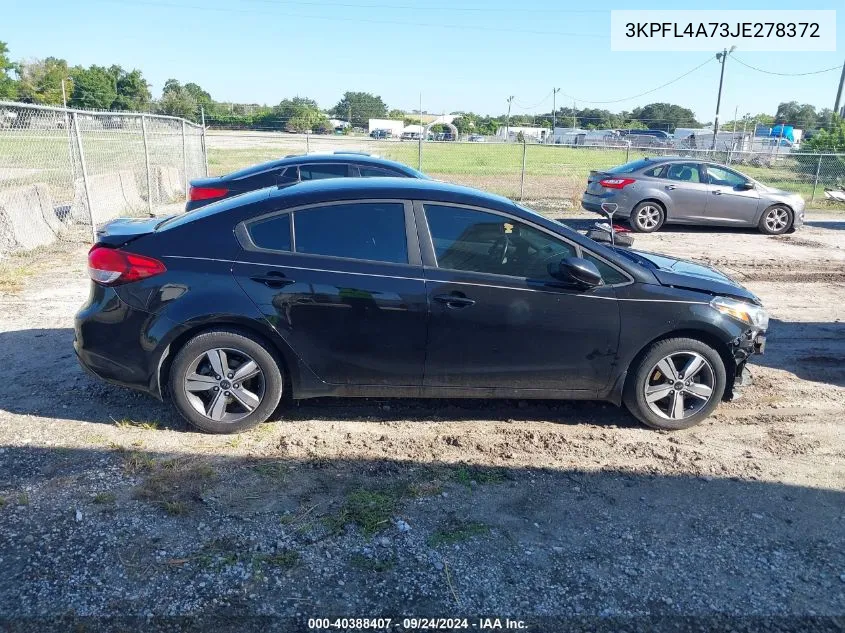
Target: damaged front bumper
743,347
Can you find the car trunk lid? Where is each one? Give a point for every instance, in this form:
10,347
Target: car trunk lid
593,180
124,230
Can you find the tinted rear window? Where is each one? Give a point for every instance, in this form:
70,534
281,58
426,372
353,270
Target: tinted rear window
629,168
273,233
368,230
377,172
328,170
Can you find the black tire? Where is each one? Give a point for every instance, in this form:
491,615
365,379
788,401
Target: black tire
776,220
647,217
641,375
236,343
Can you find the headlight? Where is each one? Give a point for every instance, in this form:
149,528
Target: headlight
747,312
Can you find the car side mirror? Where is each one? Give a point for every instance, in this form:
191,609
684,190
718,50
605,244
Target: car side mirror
576,270
746,186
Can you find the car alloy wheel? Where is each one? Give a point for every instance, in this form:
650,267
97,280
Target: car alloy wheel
648,217
679,385
777,219
224,384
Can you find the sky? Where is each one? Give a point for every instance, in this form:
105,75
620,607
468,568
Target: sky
467,56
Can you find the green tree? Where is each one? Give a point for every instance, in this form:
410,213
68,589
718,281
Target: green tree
171,85
41,81
802,116
298,114
94,88
8,85
829,140
665,116
201,96
363,106
396,114
178,102
133,91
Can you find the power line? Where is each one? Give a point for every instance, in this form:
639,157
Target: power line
461,27
543,100
642,94
772,72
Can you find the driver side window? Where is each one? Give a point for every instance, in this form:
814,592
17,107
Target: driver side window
724,177
476,241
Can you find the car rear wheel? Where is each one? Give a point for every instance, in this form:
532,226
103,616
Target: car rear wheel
647,217
775,220
225,381
676,384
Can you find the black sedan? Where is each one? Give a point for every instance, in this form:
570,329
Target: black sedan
402,287
291,170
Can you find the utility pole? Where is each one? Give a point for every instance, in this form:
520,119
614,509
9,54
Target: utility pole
554,109
722,57
574,124
508,123
836,109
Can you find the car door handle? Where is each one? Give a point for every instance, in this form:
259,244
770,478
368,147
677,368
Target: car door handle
273,279
670,186
717,193
454,301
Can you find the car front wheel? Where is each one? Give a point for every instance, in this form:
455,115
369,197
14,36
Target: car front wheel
647,217
225,381
775,220
677,383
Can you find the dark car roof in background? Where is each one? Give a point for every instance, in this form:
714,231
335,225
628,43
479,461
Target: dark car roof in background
360,188
299,159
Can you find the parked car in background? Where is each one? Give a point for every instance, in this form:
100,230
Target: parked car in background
651,192
410,136
477,138
402,287
381,134
292,169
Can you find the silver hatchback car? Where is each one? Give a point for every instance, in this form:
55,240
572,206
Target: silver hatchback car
651,192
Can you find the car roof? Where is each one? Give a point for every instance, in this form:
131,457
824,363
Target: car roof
358,158
660,160
404,188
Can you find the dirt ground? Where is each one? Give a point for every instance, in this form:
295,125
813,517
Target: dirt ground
564,514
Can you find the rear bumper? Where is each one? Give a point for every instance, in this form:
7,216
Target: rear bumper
112,342
592,202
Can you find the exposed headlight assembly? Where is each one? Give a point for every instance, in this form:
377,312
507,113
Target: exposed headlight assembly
749,313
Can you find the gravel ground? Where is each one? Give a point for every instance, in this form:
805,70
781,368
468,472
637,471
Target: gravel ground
111,507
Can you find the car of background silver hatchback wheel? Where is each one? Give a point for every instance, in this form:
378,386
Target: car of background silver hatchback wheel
651,192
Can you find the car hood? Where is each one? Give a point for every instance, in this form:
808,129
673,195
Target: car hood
682,273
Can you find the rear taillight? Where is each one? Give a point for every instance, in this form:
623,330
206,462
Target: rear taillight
616,183
207,193
111,267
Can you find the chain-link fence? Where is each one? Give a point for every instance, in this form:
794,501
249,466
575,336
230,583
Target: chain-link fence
556,174
63,172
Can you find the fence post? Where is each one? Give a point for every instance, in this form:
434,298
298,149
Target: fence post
816,181
522,179
202,140
628,153
147,163
185,160
307,143
84,176
419,153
